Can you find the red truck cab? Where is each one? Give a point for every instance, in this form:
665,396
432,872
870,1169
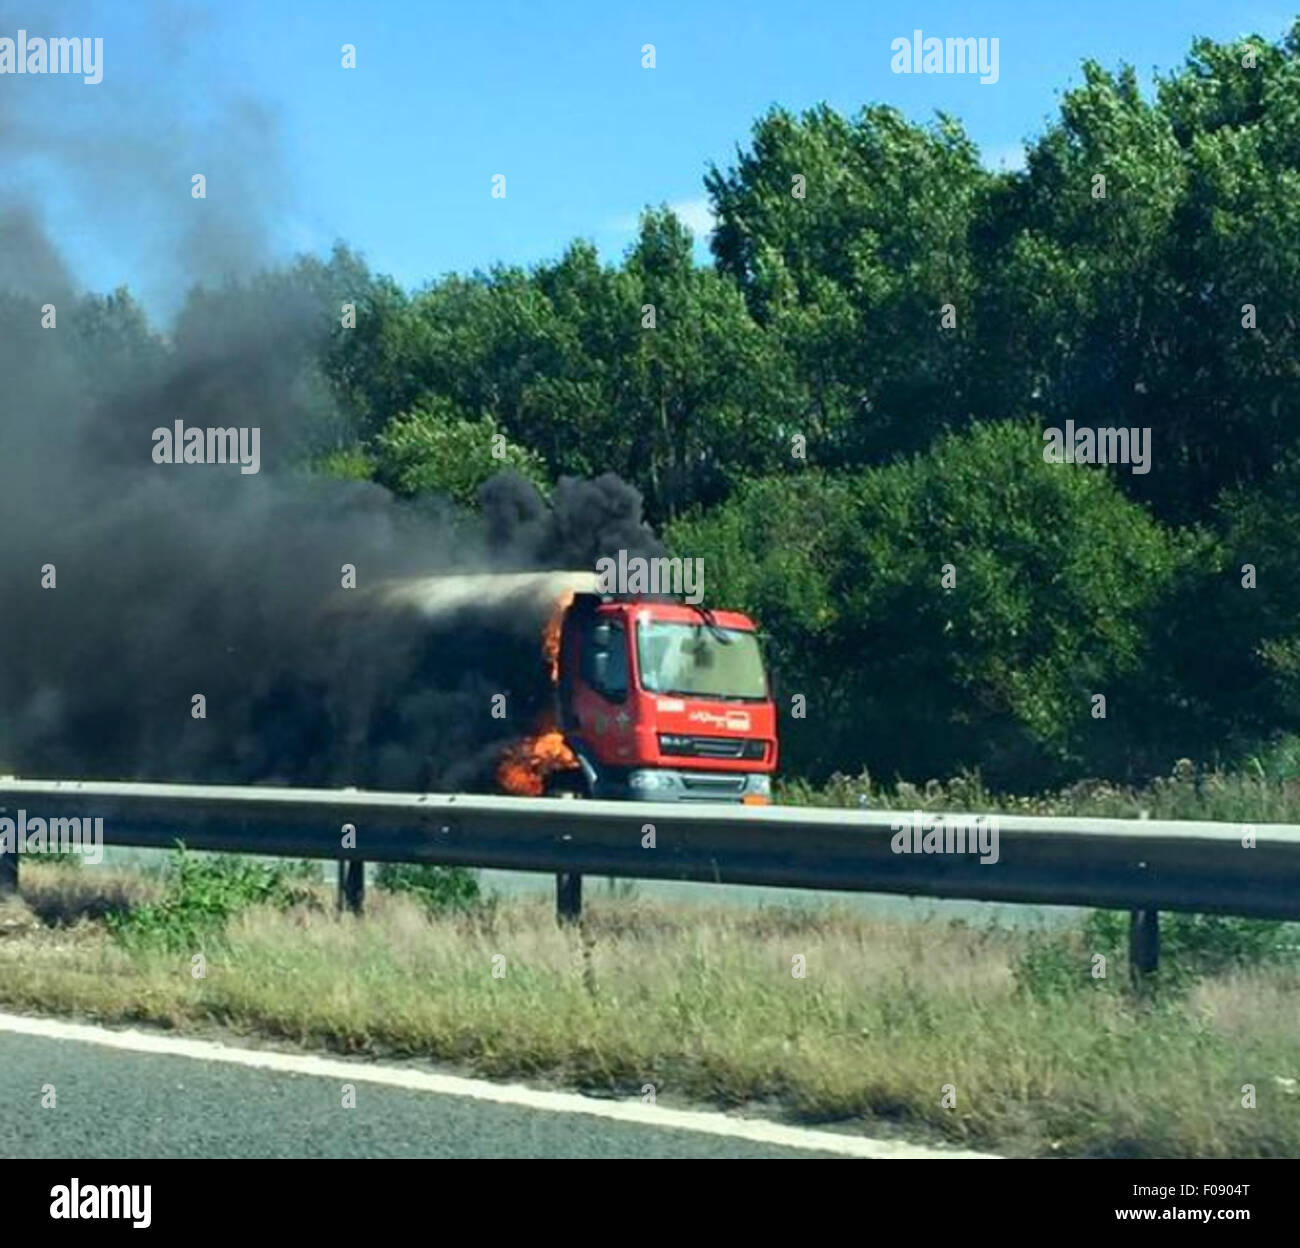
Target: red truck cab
662,701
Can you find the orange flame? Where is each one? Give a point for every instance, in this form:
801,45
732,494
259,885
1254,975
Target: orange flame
525,765
551,637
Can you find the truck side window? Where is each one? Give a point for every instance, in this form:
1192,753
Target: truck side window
613,682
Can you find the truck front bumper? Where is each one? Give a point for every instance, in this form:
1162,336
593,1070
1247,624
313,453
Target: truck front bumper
662,784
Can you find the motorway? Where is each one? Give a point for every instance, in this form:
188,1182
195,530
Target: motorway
125,1094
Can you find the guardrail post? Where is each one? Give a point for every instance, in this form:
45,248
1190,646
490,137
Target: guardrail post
352,885
1144,941
568,896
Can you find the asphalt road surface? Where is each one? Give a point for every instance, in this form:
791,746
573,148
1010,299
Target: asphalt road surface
113,1101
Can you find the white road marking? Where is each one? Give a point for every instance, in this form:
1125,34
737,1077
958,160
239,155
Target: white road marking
754,1130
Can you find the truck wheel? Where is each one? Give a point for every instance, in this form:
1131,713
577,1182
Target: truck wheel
569,786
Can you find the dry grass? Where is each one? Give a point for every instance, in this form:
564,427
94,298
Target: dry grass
702,1004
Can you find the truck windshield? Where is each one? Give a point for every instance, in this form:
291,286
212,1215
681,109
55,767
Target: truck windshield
690,659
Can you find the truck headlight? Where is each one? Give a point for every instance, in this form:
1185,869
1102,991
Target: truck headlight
760,784
651,779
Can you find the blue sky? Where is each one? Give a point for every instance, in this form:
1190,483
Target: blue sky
396,156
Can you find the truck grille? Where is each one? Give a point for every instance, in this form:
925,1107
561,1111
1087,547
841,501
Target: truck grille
711,747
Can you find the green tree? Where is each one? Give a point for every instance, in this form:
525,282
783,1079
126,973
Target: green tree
1053,581
851,276
1256,605
434,449
1128,309
653,370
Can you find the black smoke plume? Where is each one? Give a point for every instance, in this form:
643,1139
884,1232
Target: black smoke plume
177,580
172,580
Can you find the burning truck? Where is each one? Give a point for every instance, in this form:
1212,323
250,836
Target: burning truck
642,698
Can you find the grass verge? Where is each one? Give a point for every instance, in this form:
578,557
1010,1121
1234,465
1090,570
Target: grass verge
1042,1057
1267,790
